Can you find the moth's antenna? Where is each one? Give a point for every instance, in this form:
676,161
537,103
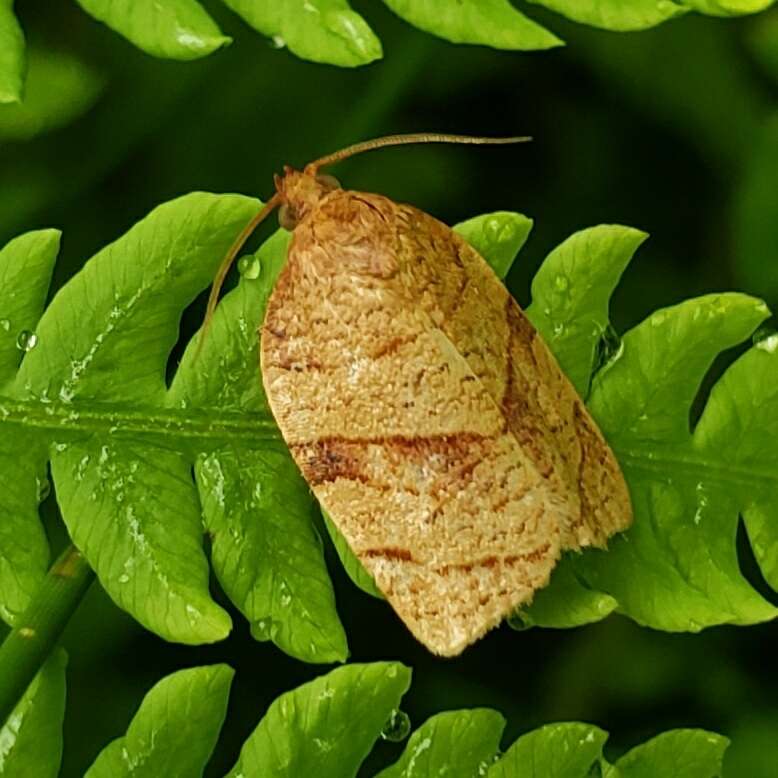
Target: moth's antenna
404,140
226,264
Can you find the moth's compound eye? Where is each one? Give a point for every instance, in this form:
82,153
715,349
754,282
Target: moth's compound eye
328,181
287,218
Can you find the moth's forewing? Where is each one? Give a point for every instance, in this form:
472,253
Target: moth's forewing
432,424
458,289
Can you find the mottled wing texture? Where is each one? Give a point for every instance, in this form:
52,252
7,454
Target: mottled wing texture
429,418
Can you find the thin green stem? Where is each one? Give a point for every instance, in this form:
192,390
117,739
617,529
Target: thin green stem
35,634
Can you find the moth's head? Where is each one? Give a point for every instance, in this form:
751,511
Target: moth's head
299,192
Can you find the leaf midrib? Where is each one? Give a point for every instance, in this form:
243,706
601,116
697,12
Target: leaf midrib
679,463
139,421
252,428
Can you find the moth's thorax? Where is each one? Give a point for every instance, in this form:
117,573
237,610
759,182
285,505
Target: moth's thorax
348,232
301,191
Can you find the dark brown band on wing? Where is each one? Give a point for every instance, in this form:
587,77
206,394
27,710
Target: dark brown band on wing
329,458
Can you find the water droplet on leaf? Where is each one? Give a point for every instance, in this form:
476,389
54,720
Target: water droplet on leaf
561,283
26,341
262,629
249,267
518,621
498,230
277,42
769,343
5,325
397,728
658,319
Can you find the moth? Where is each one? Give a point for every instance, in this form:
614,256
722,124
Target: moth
427,415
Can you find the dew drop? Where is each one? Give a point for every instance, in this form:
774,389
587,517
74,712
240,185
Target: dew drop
323,744
124,578
561,283
397,728
262,629
499,231
26,341
658,319
768,344
277,42
249,267
518,621
5,325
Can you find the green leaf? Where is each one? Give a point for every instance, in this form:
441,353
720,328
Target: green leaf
318,30
12,59
330,31
571,292
133,512
565,602
60,88
457,744
123,486
729,7
175,729
616,14
691,753
574,750
173,29
266,551
25,270
326,727
677,568
258,511
554,751
31,738
499,236
122,446
494,23
26,265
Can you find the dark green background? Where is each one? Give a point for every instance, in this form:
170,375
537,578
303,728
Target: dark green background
674,131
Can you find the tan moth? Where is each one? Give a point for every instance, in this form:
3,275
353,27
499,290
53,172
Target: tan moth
425,412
